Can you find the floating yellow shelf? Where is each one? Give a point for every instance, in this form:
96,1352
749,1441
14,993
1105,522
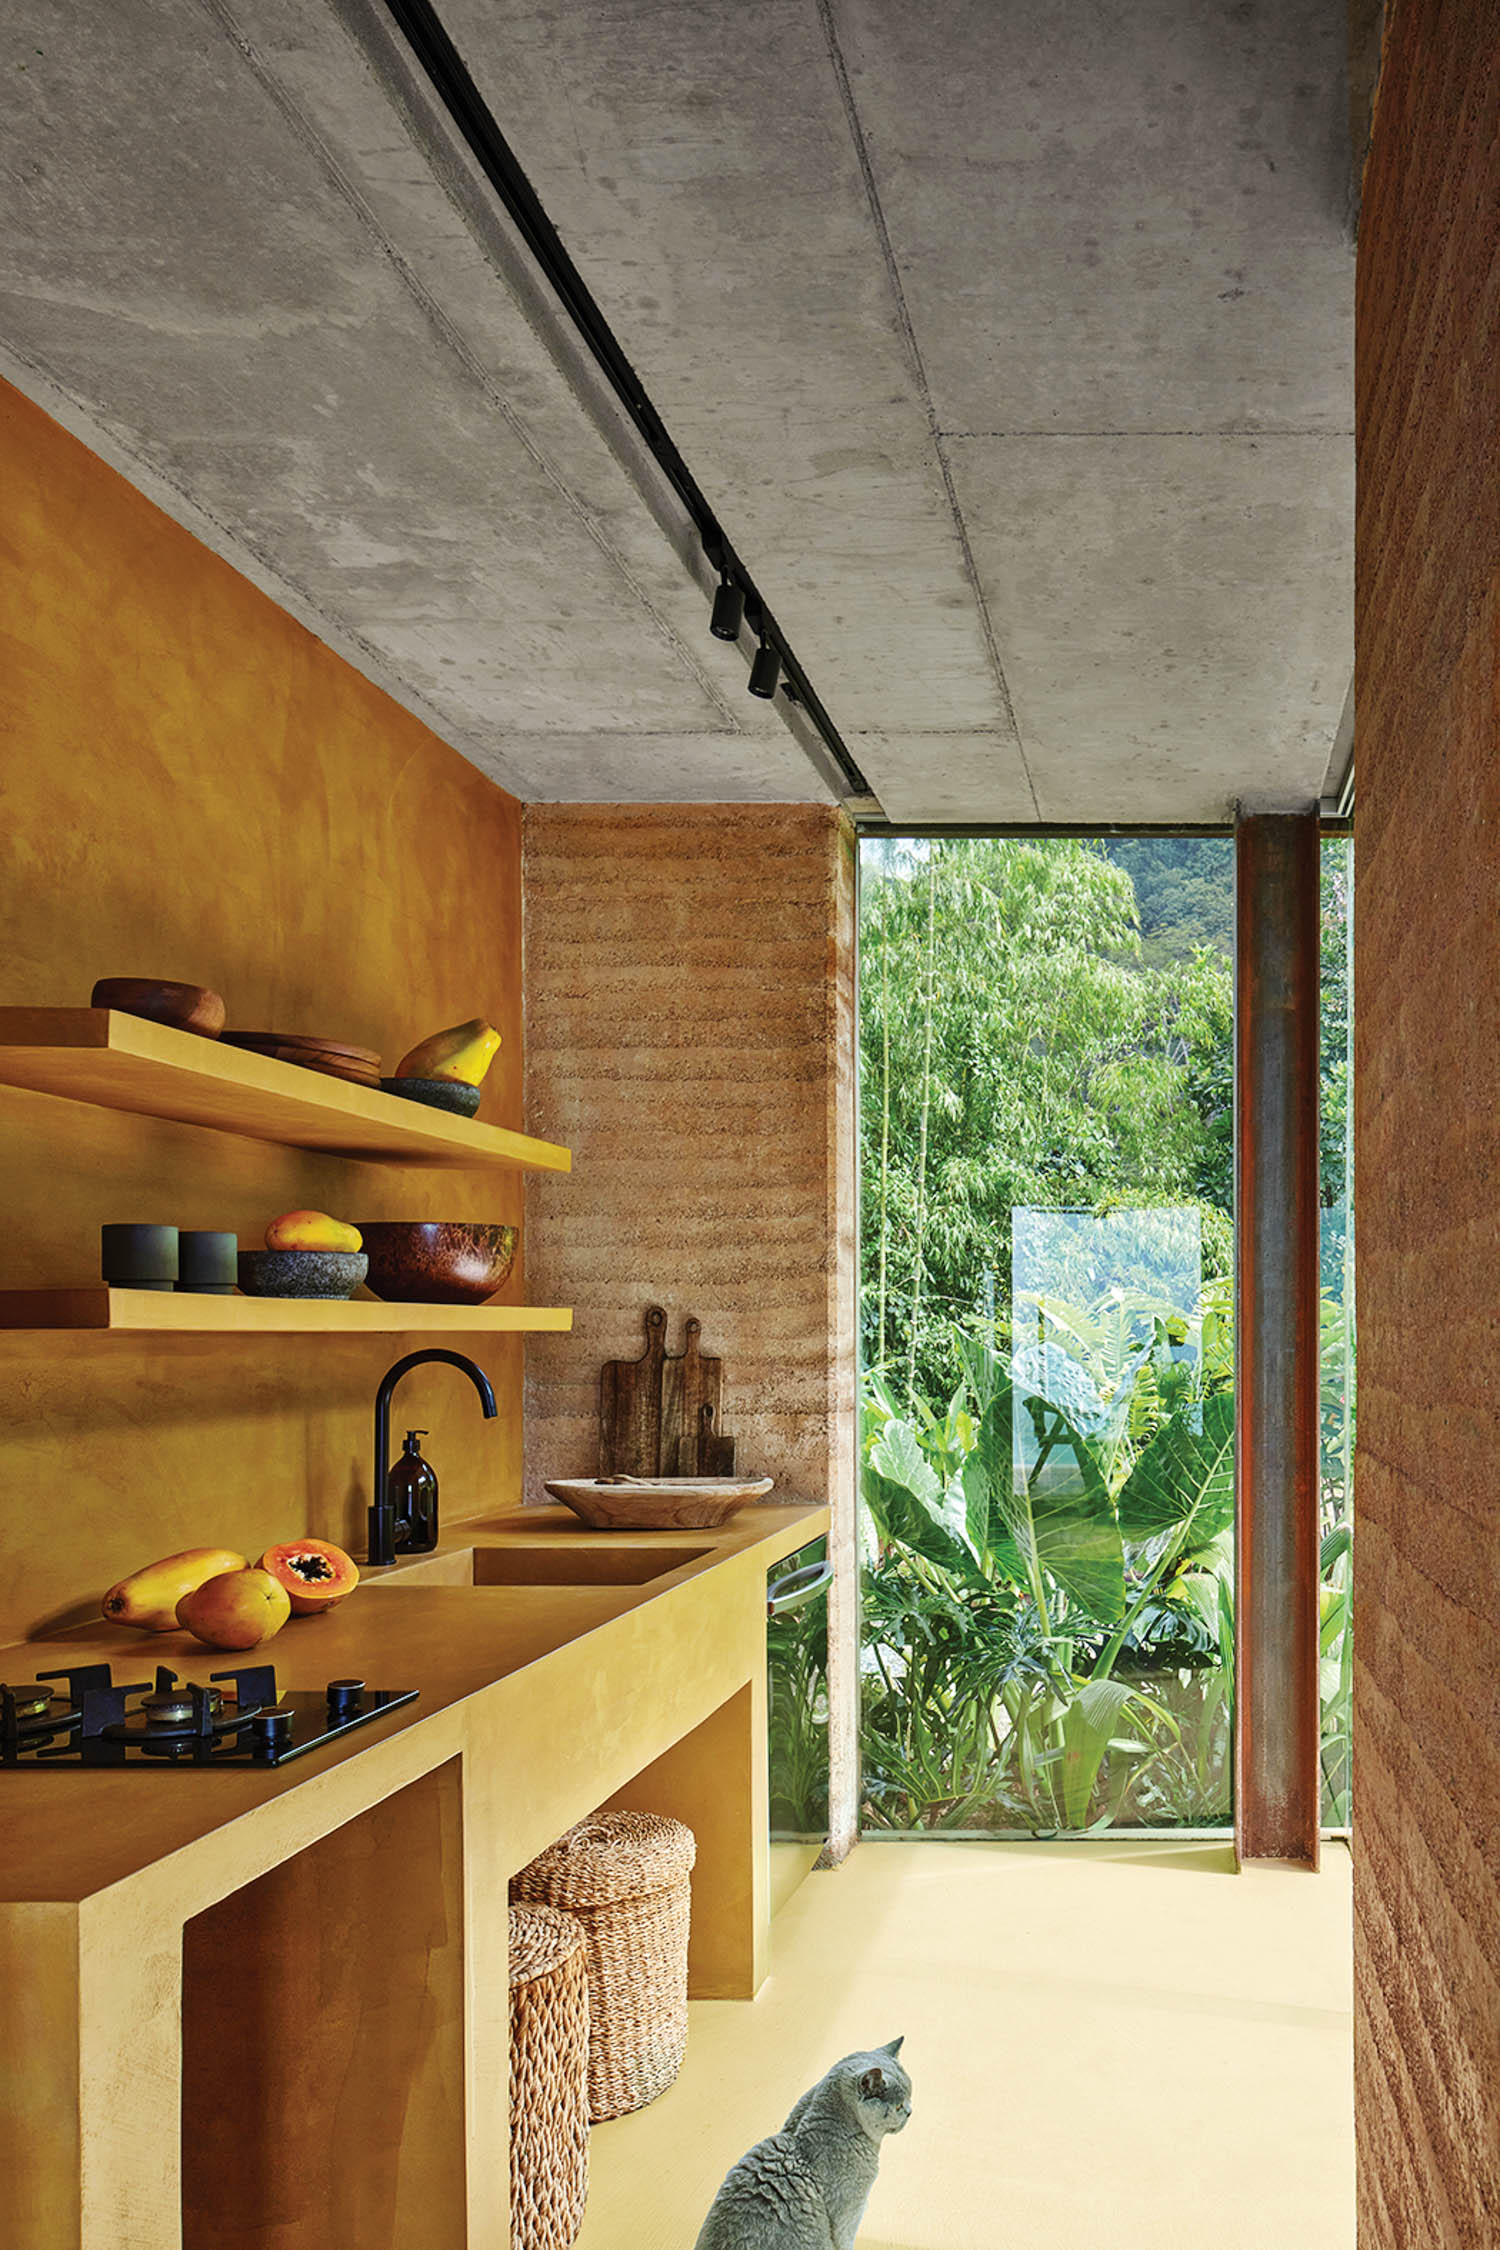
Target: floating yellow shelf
122,1311
115,1061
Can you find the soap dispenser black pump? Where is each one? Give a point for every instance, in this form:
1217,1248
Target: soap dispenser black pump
412,1489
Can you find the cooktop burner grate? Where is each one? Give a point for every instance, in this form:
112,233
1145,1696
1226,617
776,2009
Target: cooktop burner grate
236,1718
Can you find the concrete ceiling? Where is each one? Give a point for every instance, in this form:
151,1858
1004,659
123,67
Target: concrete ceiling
1011,339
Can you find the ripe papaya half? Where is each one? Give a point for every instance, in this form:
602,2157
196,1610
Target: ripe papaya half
314,1572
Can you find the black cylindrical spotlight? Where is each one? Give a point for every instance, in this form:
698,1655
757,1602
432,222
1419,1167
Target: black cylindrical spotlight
729,611
765,671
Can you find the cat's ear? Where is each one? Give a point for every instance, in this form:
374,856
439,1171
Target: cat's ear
871,2084
895,2046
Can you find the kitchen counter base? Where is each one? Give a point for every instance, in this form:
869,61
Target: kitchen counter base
269,2009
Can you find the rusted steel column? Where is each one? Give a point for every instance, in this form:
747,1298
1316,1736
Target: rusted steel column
1277,1792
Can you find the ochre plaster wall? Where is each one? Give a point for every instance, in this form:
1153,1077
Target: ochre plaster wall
689,1029
192,786
1427,1121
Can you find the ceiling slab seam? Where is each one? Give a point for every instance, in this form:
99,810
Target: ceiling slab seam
856,131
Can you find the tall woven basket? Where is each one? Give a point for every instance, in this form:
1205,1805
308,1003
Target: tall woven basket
549,2061
624,1876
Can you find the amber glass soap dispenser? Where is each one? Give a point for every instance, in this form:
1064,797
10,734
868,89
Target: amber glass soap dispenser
413,1492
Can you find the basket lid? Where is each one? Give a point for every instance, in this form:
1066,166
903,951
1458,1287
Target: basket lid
616,1855
541,1939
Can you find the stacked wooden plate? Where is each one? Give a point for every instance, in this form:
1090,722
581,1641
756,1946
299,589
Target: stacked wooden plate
331,1056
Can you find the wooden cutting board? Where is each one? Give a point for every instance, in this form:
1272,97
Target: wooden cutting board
655,1412
690,1385
630,1395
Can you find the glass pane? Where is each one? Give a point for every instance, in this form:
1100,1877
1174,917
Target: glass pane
797,1658
1336,1170
1046,1313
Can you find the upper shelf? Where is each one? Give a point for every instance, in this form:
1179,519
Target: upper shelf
125,1062
150,1310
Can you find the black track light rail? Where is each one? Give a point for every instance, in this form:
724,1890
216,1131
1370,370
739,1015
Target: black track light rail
427,37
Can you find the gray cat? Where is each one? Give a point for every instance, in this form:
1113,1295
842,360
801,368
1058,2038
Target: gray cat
807,2186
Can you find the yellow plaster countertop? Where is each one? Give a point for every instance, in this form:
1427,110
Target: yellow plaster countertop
435,1622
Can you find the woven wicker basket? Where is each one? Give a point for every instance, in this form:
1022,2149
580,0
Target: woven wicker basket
549,2058
624,1876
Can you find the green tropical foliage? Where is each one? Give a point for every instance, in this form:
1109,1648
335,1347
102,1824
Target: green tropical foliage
1017,1052
1024,1602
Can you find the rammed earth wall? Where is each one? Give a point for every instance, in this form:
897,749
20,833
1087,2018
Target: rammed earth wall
1427,1065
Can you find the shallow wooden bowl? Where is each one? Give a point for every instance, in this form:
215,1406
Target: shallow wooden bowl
660,1504
436,1261
189,1007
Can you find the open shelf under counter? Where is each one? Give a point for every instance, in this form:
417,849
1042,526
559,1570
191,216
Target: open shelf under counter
175,1312
115,1061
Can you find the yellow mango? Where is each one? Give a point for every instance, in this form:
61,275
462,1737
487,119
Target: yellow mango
461,1055
311,1230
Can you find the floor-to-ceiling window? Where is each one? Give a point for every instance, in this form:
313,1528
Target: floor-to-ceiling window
1048,1352
1047,1343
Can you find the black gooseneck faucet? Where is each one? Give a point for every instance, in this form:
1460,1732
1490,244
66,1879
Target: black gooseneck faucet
385,1532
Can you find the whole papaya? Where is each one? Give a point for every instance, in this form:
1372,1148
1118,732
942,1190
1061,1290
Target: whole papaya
238,1609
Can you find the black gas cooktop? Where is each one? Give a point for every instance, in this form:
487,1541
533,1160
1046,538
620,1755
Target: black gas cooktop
235,1718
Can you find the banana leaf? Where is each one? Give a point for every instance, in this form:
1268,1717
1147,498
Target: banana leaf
1058,1522
1090,1727
1338,1543
1184,1480
989,1466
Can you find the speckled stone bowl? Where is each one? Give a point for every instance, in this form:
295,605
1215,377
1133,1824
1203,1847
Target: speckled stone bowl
437,1093
301,1273
436,1261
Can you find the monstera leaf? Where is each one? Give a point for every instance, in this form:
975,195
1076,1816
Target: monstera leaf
1184,1480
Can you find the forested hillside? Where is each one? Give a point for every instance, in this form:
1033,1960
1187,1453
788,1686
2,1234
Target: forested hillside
1184,891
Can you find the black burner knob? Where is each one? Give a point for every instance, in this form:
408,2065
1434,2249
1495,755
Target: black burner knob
270,1734
345,1698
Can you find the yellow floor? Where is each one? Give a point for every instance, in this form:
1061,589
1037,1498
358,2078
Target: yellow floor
1113,2046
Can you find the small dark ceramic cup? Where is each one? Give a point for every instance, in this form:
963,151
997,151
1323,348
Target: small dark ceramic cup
138,1257
207,1262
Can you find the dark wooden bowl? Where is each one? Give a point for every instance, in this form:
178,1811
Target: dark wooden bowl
436,1261
188,1007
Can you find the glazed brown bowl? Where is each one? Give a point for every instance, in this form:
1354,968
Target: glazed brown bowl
190,1007
436,1261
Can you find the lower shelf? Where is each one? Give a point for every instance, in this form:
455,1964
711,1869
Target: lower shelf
170,1312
